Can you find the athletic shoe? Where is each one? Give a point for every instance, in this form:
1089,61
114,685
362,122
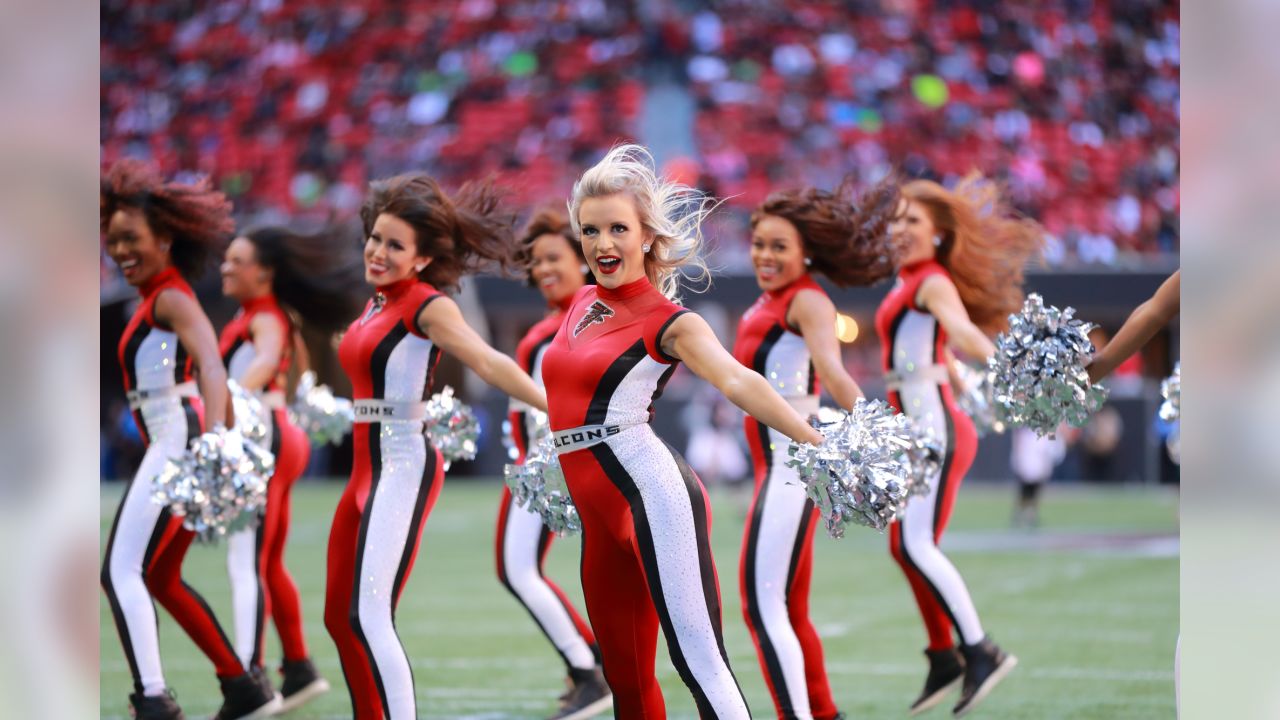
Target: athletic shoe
588,696
946,671
302,684
248,697
155,707
985,666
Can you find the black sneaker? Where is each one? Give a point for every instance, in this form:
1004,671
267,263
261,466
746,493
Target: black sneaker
302,684
588,696
946,670
155,707
985,666
248,697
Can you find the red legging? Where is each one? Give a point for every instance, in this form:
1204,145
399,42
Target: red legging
280,602
376,530
940,592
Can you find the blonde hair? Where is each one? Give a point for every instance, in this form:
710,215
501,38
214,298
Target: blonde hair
671,212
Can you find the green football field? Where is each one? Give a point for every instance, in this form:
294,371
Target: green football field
1089,603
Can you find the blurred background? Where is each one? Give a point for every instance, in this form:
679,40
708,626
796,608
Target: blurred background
291,108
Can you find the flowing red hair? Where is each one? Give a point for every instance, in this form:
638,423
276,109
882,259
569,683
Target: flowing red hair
985,245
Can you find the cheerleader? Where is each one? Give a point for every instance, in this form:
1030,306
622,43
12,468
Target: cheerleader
960,278
646,551
788,336
160,234
277,275
419,241
554,263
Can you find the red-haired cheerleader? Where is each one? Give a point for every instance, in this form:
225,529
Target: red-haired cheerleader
960,278
420,240
278,275
789,337
646,551
554,263
160,233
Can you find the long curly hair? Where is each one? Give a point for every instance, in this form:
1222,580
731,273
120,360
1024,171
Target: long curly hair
985,245
195,218
671,212
318,276
847,240
546,221
464,233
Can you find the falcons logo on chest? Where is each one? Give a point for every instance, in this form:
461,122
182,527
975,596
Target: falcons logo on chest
597,313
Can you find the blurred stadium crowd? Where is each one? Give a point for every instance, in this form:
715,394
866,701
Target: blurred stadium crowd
291,107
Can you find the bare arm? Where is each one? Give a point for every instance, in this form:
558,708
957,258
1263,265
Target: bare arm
815,316
442,321
1144,322
182,313
939,297
690,339
268,335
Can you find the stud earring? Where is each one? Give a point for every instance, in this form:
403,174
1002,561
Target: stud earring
808,262
645,247
937,241
584,268
419,268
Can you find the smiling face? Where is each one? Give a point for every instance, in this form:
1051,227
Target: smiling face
612,239
915,229
555,268
133,247
243,277
777,253
391,252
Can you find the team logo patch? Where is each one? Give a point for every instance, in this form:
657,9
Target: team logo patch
597,313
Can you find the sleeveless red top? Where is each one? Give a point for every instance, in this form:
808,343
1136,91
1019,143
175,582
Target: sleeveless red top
383,352
767,344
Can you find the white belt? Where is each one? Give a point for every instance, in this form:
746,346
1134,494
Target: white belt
567,441
138,397
895,379
371,411
273,400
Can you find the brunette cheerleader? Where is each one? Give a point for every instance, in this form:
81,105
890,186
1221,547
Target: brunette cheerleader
159,234
278,275
420,240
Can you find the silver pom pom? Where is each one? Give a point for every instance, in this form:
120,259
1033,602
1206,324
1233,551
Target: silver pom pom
977,401
323,417
1039,375
218,485
924,456
1171,412
861,473
538,485
1171,391
452,427
252,419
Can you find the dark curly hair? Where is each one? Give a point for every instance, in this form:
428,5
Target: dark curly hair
195,218
318,276
465,233
546,221
847,241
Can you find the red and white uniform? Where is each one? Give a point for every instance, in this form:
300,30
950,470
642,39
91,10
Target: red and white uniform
261,586
143,560
395,478
777,544
915,362
646,551
523,540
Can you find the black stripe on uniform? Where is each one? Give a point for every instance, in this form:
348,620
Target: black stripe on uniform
657,338
598,410
375,462
777,678
626,485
